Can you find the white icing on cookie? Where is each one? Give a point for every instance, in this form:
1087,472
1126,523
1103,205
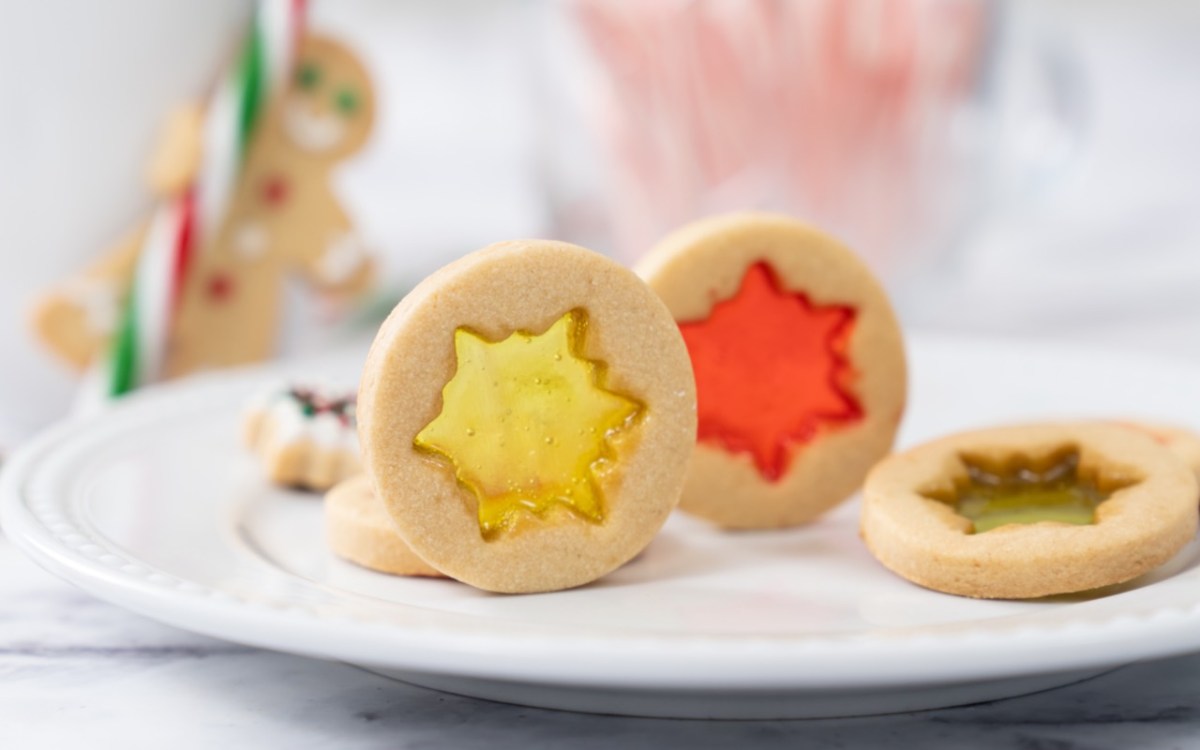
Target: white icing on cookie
312,131
344,256
291,425
97,298
250,240
283,421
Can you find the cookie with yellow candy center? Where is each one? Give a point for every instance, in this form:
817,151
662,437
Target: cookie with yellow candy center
526,417
1025,512
799,362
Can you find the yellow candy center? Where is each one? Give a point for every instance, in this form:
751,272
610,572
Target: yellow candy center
527,424
1021,492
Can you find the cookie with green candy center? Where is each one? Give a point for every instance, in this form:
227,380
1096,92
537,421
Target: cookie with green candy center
1029,511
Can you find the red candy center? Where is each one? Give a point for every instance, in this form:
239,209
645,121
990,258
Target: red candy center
772,371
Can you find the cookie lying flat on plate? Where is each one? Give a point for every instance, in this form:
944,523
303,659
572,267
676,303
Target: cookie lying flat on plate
1024,512
360,530
526,416
799,362
304,437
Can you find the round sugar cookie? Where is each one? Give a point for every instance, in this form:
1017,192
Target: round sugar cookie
1054,509
526,416
360,530
799,362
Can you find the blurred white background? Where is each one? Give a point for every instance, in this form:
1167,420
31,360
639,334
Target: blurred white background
1103,250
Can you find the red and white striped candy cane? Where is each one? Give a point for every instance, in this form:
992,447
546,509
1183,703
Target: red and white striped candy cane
182,223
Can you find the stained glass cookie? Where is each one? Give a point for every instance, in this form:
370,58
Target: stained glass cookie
360,530
527,414
1025,512
799,363
304,436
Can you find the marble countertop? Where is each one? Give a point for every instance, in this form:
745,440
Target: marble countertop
72,666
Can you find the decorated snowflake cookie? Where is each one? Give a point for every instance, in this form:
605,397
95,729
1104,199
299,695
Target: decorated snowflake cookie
305,437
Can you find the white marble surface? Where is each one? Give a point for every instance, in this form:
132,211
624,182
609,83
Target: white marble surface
72,667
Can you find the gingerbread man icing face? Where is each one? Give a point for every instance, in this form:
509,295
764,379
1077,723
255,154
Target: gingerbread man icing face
328,108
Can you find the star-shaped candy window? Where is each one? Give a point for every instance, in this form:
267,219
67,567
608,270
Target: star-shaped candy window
772,371
528,425
1055,488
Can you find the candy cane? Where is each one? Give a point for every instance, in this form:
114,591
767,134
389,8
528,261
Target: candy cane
181,224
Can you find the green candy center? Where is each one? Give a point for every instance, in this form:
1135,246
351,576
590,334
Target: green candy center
1022,492
1068,504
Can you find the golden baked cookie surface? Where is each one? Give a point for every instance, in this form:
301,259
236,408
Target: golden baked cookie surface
1182,442
359,529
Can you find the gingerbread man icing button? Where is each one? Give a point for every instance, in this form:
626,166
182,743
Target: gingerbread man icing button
1031,511
526,416
799,362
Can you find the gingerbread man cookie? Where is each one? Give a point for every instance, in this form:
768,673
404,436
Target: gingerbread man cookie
360,530
79,316
284,217
305,437
799,361
1031,511
526,416
244,200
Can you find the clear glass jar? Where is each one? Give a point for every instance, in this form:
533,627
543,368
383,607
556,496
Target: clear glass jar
878,120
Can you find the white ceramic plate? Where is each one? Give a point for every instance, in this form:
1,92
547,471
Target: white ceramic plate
155,507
